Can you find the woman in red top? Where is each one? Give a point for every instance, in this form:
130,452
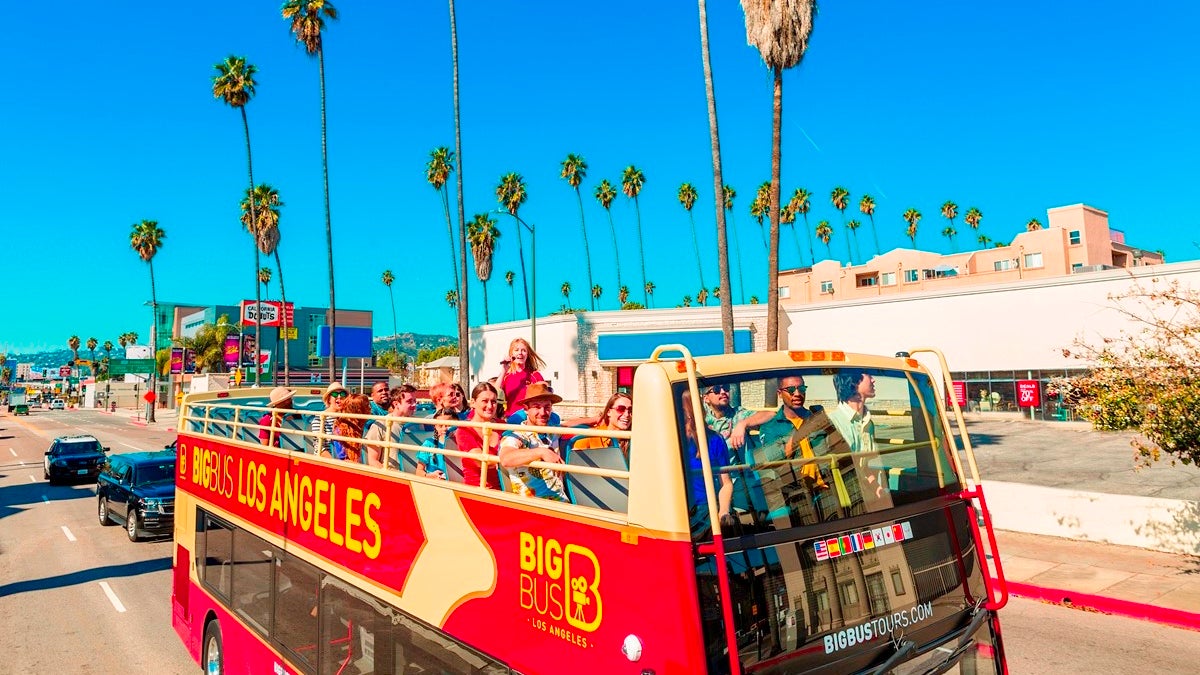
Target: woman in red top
520,371
468,439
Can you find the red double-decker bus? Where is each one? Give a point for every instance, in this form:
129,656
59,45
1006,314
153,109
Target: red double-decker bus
832,525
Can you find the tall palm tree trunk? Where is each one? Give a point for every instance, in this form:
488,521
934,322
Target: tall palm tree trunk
812,254
641,250
464,375
773,253
796,241
726,298
328,225
450,232
521,257
254,242
846,231
696,246
616,252
287,372
485,302
737,254
396,333
154,343
874,234
587,257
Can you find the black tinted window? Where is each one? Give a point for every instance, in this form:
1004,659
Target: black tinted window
215,552
75,448
153,473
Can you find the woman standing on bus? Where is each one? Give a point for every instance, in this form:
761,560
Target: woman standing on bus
718,457
617,416
483,409
520,370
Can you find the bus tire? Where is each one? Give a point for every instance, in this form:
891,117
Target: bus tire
102,512
131,525
213,654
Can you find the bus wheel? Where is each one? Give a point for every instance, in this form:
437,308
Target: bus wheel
131,525
214,656
102,512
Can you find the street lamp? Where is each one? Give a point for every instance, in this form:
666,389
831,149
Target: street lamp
533,273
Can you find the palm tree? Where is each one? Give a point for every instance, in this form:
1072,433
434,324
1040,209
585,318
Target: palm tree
566,291
973,218
264,278
437,172
623,295
825,233
574,170
509,276
1033,225
950,212
452,299
464,361
912,217
687,199
482,235
234,83
759,209
788,217
730,194
73,344
632,181
801,202
107,347
605,194
123,339
92,343
511,194
780,31
725,297
146,239
840,198
754,299
853,225
596,291
687,301
867,206
388,279
949,233
702,295
649,289
983,240
264,201
308,23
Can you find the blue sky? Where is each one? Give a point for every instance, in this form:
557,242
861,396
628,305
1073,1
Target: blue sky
1013,108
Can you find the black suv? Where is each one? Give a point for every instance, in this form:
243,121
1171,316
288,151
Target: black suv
138,488
74,457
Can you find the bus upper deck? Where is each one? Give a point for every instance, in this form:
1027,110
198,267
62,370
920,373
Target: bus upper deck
812,535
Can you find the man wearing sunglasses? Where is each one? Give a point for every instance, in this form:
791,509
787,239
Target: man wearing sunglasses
720,414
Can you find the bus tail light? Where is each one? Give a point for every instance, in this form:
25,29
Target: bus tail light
817,356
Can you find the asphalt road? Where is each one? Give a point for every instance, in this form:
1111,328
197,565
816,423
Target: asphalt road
76,597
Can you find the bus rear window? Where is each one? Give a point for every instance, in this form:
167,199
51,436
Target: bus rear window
806,446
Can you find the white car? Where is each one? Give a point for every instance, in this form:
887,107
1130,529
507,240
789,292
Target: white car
58,404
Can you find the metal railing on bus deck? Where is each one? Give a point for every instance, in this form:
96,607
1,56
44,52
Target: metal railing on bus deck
225,418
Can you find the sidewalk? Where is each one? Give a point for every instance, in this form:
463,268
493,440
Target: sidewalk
163,417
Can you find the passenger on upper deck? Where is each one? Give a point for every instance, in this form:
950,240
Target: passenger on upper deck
519,448
520,370
718,454
720,414
774,426
433,464
380,399
618,416
402,402
351,428
280,402
851,417
322,423
483,409
449,396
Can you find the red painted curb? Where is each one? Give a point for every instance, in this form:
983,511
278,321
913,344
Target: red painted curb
1134,610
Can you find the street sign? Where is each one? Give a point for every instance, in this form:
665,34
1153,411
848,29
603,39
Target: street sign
64,371
290,334
131,367
149,397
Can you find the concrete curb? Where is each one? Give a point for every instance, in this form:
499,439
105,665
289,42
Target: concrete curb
1177,618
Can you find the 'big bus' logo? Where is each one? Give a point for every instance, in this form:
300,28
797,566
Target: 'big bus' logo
560,583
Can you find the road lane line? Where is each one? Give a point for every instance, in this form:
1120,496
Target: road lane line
32,479
66,531
134,447
112,597
45,499
14,452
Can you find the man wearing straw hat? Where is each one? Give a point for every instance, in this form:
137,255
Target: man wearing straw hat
322,423
519,448
268,424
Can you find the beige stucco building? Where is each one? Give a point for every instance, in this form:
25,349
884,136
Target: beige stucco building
1077,239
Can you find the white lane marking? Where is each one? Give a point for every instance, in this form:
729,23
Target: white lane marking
66,531
45,499
32,479
133,447
112,597
14,452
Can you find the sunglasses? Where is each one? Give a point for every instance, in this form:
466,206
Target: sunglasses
622,409
719,389
338,394
795,389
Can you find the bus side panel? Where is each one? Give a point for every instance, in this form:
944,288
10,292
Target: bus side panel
567,591
245,651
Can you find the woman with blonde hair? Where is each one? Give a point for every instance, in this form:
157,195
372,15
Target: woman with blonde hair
351,451
520,370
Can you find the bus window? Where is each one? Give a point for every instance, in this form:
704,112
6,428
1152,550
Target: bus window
214,547
295,609
252,566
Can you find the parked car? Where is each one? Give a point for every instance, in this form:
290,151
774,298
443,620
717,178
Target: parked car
138,489
58,404
74,457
